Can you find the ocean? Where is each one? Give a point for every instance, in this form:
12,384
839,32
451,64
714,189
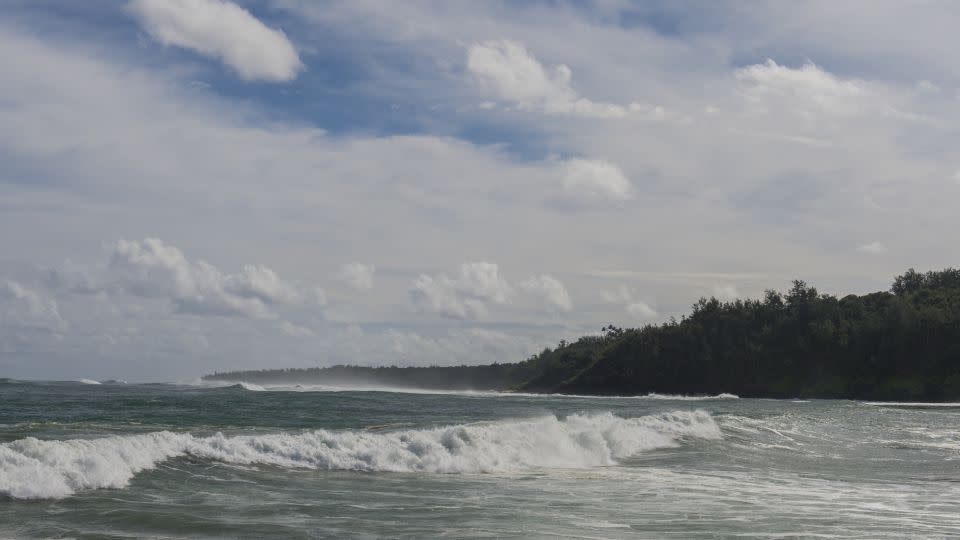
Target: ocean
83,460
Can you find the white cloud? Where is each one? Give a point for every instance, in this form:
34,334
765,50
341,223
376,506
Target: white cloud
586,180
465,297
873,248
153,269
223,30
438,294
24,308
482,280
256,281
295,330
621,294
358,276
632,305
550,290
725,292
804,86
641,310
508,70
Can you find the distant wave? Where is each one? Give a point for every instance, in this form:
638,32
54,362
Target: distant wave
88,381
404,390
250,386
911,404
330,388
36,469
673,397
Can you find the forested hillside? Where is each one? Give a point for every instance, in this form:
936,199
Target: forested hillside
903,344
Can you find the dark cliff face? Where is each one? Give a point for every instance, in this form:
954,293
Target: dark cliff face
899,345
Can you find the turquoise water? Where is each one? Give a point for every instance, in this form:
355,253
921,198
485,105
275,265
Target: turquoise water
130,461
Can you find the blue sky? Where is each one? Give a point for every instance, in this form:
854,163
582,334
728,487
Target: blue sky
192,185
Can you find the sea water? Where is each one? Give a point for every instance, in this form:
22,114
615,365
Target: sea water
83,460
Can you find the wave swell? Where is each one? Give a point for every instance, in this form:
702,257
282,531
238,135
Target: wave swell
37,469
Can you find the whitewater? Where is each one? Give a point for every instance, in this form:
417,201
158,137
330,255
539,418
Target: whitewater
253,387
185,461
31,468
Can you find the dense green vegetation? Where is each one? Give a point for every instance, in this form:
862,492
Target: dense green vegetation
897,345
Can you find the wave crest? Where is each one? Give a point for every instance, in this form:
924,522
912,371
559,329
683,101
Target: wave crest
681,397
35,469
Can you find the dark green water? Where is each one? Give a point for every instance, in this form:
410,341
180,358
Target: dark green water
132,461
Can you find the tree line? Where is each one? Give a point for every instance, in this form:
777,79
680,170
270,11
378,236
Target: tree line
901,344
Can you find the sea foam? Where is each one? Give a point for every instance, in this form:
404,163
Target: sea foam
294,387
681,397
38,469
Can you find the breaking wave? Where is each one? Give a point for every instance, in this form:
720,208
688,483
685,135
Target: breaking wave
38,469
294,387
674,397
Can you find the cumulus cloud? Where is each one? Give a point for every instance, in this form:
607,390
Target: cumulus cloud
873,248
464,297
593,181
509,71
256,281
632,305
70,277
439,294
806,86
725,292
641,310
358,276
620,295
482,280
153,269
550,290
223,30
24,308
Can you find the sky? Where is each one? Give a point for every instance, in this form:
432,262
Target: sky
198,185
